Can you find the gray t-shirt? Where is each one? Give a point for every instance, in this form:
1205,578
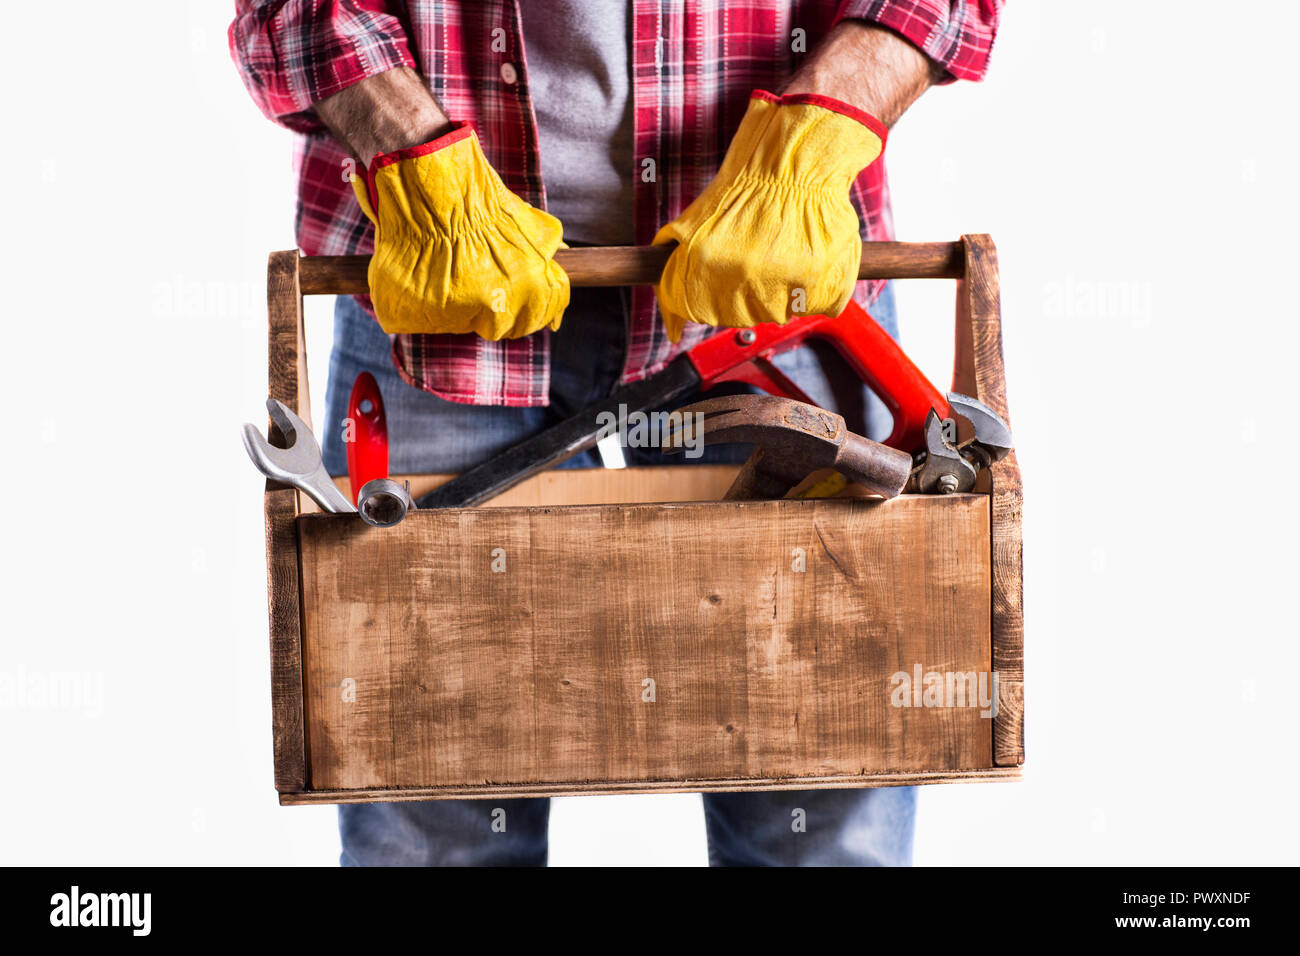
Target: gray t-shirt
580,80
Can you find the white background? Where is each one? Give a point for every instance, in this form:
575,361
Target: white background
1135,163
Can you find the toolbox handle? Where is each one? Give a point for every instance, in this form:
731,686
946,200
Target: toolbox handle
642,265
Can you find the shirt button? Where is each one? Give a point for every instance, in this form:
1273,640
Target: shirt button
509,73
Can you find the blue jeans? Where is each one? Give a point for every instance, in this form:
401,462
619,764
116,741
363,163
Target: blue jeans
427,434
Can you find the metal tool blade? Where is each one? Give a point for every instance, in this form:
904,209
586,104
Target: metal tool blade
991,431
941,469
561,441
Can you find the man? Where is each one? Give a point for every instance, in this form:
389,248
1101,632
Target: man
463,121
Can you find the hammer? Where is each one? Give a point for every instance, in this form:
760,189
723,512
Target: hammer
794,439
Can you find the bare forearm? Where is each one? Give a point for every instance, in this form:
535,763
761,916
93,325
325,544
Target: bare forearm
868,67
382,113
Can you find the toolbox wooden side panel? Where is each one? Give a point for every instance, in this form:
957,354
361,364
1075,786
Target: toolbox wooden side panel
980,372
481,649
287,375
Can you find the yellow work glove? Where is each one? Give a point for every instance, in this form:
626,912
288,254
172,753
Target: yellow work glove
455,250
773,235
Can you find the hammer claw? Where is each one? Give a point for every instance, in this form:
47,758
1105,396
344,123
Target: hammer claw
797,439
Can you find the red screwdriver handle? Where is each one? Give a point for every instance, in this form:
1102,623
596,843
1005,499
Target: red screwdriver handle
365,434
744,355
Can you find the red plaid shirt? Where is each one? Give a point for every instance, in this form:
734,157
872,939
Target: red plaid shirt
694,63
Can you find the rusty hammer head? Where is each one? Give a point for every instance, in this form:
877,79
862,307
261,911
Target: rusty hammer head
794,439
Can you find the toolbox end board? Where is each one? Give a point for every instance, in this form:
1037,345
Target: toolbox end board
626,648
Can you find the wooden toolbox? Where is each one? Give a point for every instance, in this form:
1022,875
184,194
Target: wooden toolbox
625,631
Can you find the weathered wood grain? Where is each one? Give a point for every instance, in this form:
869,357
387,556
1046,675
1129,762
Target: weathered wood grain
594,788
980,372
641,265
425,669
286,342
597,486
287,372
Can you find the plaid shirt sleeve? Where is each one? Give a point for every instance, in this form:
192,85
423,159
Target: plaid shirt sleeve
956,34
295,53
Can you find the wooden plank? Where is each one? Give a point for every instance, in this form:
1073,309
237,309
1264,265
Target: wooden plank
286,344
854,781
641,265
287,381
597,486
534,676
980,371
615,486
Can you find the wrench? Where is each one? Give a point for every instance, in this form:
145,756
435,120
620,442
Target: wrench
299,464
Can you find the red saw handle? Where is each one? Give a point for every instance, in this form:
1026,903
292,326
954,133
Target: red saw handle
744,355
367,444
